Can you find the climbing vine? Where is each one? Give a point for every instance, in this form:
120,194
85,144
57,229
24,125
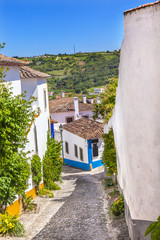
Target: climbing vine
36,167
109,153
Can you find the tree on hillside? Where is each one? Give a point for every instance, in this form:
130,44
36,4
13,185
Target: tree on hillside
107,98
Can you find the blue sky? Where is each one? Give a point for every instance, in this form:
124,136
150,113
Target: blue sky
36,27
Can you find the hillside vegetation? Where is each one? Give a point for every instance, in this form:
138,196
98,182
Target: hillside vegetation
77,72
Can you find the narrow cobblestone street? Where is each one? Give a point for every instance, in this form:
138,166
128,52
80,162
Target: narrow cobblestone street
82,216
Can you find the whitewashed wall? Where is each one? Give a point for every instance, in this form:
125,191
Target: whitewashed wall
136,120
80,142
42,122
13,76
35,87
30,86
61,117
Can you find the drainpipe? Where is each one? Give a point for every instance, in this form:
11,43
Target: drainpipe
52,128
61,130
90,153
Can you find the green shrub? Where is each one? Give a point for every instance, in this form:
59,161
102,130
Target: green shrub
108,182
28,203
109,153
10,225
52,163
114,193
154,229
36,167
55,186
44,191
117,208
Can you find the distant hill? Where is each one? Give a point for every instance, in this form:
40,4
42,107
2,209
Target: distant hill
77,72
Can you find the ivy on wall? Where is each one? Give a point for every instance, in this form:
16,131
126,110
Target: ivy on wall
109,153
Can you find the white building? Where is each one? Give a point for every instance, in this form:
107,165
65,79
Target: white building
83,144
35,84
22,79
65,110
136,118
98,90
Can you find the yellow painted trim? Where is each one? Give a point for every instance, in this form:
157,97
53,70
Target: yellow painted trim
16,207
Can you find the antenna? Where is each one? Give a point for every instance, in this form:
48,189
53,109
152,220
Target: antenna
74,49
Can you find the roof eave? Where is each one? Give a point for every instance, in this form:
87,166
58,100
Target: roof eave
142,6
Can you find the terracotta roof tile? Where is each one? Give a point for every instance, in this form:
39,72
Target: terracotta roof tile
85,128
26,72
67,105
8,61
142,6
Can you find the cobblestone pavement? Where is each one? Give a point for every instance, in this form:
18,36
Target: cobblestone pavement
82,216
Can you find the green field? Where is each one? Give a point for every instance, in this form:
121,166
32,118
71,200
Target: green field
77,72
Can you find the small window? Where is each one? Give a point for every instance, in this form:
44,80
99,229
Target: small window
45,99
69,119
67,147
81,153
95,150
35,139
76,150
86,116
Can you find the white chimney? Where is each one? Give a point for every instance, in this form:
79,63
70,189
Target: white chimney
62,94
84,98
76,108
92,101
98,100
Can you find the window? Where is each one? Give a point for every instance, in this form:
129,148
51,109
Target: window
67,147
95,150
35,139
69,119
86,116
76,150
45,99
81,153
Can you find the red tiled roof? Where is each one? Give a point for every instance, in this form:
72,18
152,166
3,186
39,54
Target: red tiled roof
85,128
143,6
26,72
67,105
8,61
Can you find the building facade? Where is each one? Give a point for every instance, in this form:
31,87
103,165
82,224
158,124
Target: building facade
136,118
83,144
24,79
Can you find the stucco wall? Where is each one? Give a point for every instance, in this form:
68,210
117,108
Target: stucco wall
35,87
80,142
13,76
136,119
61,117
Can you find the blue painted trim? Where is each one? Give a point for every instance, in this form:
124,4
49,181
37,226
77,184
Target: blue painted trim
62,145
89,151
52,130
77,164
97,164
